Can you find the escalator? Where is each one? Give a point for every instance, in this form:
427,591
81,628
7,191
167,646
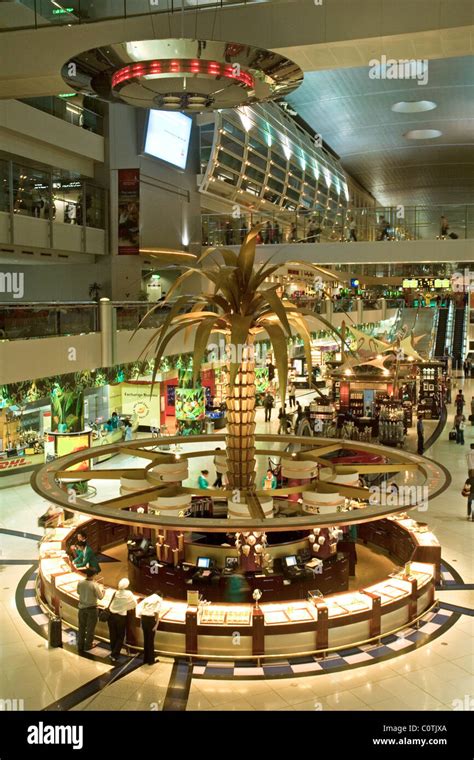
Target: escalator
458,337
440,344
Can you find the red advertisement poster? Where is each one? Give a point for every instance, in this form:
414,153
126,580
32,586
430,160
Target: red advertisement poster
128,211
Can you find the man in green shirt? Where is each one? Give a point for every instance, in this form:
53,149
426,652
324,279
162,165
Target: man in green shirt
202,479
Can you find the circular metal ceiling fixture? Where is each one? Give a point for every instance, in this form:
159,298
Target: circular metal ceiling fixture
182,75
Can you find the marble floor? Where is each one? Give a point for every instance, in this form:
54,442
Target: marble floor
437,675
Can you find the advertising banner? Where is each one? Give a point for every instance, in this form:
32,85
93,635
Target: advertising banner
136,399
190,404
68,443
128,212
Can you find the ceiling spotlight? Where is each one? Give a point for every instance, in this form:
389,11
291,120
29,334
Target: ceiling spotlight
422,134
414,106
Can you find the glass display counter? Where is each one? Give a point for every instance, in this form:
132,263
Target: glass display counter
280,628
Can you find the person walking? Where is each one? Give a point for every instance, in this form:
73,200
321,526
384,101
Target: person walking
228,234
89,593
472,410
468,492
148,610
268,403
459,401
284,421
293,233
276,233
218,481
470,461
292,394
459,426
443,227
420,431
122,601
352,229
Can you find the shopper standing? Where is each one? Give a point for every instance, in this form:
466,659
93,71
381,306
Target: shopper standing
123,601
459,425
421,435
203,482
468,491
269,481
268,406
218,481
148,610
284,422
292,394
89,593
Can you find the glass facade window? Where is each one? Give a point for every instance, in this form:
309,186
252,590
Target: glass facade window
31,192
233,130
276,172
230,161
277,159
4,186
95,207
257,160
232,145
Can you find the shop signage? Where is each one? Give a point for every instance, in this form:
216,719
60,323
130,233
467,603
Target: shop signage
11,464
128,212
136,399
410,283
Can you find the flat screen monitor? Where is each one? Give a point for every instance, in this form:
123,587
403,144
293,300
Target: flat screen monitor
232,563
291,561
144,544
204,562
167,137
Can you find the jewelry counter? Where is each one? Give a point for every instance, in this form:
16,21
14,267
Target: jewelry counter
273,628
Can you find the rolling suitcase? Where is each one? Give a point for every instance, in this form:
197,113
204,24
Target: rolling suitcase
55,638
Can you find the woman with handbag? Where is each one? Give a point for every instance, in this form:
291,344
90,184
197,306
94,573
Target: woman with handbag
148,610
468,491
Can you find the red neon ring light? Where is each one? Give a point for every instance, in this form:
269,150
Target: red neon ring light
182,66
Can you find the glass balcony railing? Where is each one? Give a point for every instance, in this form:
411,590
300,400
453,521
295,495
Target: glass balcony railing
392,223
68,109
46,320
22,321
40,13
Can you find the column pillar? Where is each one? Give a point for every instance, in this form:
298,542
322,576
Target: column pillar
107,333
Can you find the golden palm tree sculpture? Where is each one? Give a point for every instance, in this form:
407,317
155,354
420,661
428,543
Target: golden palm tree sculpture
239,305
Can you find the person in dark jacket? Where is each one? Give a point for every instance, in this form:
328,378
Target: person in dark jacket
420,431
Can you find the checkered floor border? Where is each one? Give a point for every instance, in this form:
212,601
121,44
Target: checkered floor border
430,626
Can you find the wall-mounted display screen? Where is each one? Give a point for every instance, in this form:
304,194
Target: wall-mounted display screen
167,137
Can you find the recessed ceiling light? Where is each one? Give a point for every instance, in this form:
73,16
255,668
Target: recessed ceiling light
414,106
422,134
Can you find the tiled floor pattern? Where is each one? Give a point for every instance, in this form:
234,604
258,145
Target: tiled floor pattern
431,676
